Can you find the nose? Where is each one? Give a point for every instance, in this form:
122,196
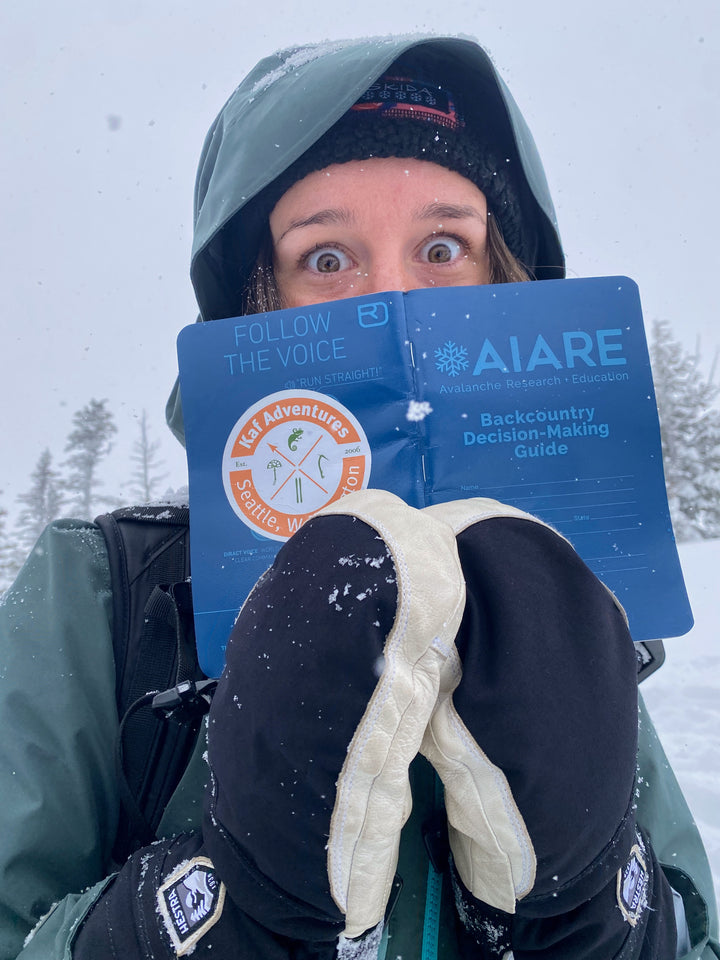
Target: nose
386,274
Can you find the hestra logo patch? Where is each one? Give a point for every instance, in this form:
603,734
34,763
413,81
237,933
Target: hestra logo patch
190,903
288,456
632,886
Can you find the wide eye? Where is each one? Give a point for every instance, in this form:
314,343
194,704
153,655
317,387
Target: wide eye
442,250
328,260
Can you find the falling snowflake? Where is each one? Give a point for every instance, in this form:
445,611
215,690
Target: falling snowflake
451,359
417,410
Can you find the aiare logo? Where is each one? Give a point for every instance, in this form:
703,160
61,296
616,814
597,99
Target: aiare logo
288,456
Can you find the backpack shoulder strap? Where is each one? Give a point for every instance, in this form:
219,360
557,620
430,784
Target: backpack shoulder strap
154,649
148,547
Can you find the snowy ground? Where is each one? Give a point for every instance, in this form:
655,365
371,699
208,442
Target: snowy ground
684,697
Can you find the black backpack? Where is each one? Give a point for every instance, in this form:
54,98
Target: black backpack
161,692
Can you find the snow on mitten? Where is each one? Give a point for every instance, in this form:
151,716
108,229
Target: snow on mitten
534,737
333,670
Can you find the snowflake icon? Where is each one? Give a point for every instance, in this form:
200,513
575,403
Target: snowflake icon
451,359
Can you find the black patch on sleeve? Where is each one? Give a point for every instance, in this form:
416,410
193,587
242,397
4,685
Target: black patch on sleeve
190,902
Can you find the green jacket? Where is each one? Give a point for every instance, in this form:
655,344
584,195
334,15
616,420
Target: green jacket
57,769
57,676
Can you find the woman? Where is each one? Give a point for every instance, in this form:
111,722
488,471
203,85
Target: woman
468,634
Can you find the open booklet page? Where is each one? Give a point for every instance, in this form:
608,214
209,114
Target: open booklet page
535,394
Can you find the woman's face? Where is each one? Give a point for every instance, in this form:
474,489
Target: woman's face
372,225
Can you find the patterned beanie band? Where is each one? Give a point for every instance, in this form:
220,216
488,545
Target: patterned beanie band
406,99
406,117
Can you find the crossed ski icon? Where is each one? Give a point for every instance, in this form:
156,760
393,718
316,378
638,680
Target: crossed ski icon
297,468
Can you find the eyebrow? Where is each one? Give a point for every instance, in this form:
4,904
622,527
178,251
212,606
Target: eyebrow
321,218
448,211
436,210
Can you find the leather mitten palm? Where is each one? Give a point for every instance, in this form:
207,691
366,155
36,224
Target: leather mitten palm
534,736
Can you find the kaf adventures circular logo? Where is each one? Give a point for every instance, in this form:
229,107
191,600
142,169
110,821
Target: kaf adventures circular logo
288,456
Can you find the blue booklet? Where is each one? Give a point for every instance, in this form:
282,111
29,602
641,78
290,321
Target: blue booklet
538,394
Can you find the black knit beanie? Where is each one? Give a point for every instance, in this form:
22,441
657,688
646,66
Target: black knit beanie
403,115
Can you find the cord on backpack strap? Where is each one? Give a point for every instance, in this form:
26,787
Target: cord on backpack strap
184,705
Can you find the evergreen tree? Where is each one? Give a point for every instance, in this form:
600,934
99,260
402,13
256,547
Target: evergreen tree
690,427
7,566
42,502
88,443
145,456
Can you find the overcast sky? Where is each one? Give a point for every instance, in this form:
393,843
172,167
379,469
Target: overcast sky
105,107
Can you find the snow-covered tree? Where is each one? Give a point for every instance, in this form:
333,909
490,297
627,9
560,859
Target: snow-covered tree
690,427
41,503
7,563
88,443
145,478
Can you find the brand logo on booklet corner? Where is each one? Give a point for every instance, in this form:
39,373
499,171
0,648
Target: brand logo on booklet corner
288,456
373,314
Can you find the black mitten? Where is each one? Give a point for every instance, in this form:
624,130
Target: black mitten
333,670
535,738
169,902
